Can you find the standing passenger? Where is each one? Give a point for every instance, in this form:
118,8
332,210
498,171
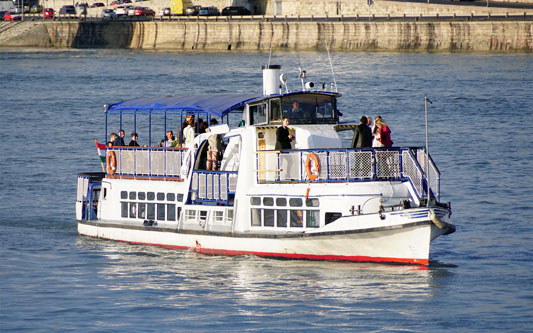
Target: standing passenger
189,132
283,138
119,140
362,137
376,143
214,149
384,133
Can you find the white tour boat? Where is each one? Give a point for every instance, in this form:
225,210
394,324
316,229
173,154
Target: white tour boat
318,200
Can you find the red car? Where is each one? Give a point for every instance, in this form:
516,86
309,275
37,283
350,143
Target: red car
10,16
48,13
143,11
113,3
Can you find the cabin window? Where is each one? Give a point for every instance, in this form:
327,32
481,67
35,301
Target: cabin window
202,218
281,218
312,202
133,209
330,217
312,218
151,195
141,210
171,212
123,195
229,216
256,217
124,209
180,197
295,202
218,216
161,212
255,201
141,195
281,202
297,218
268,218
275,111
309,109
268,201
133,195
160,196
171,197
258,113
151,211
190,215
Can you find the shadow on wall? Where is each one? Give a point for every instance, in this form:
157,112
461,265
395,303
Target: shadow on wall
107,35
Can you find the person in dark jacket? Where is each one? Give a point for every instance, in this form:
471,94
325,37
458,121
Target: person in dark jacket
283,138
134,138
362,137
119,140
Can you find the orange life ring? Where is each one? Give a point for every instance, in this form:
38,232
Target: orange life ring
111,162
312,174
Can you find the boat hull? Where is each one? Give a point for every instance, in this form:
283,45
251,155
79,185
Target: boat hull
407,243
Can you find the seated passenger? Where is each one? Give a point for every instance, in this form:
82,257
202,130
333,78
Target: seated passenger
134,138
170,140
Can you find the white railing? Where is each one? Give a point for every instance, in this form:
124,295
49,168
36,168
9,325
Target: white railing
215,186
348,165
148,161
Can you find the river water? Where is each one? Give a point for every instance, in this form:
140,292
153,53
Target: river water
480,278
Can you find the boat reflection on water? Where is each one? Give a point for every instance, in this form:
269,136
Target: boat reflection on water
253,281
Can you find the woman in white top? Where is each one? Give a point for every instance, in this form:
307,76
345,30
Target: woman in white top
188,133
376,142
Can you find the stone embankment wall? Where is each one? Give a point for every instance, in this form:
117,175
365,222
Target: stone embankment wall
420,36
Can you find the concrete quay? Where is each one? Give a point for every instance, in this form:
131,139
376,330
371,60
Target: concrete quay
412,35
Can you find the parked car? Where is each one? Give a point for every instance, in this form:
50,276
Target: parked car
145,11
48,13
192,10
97,4
109,14
236,10
209,11
114,3
164,11
121,10
12,16
67,10
126,1
130,10
36,9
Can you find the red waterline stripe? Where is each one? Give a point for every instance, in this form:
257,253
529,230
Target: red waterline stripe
424,262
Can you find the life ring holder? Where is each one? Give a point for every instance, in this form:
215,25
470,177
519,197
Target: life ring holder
111,163
312,174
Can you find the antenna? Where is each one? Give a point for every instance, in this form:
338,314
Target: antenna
270,54
331,66
426,100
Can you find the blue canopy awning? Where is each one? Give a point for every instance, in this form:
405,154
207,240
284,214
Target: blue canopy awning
216,105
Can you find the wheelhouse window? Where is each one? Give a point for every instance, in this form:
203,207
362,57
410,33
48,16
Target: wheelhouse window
310,109
258,113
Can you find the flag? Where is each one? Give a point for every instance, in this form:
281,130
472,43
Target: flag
102,150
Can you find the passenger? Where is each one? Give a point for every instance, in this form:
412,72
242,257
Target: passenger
189,132
119,140
112,138
170,140
283,138
134,138
384,133
376,142
362,137
215,148
202,126
110,143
